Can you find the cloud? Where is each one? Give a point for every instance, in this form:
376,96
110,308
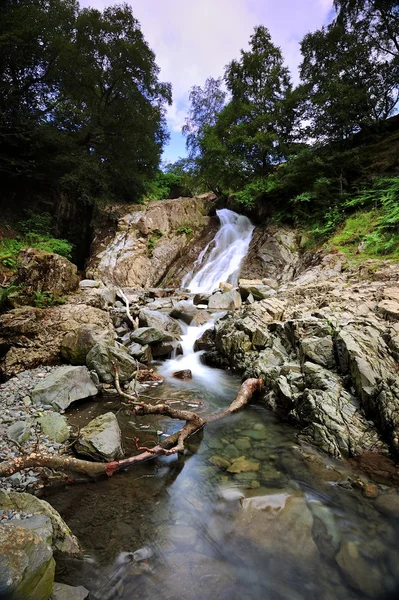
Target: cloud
195,39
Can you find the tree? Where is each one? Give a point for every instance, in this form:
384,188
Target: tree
259,114
94,130
346,84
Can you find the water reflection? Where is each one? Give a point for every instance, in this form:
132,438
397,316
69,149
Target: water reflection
245,513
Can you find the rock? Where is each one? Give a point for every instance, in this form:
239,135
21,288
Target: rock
19,431
67,592
102,358
185,374
281,524
389,309
63,540
162,350
228,301
220,462
319,350
77,344
201,298
33,336
272,254
150,335
141,353
89,283
370,490
242,443
55,426
225,287
101,439
257,288
388,505
360,573
206,341
40,271
185,311
26,561
124,257
243,465
159,320
64,386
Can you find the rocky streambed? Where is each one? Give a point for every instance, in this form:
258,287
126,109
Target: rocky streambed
323,336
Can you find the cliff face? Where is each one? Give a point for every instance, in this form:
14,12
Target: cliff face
148,243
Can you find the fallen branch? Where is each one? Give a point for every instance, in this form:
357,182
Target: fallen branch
124,298
171,445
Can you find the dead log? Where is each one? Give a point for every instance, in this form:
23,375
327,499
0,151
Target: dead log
171,445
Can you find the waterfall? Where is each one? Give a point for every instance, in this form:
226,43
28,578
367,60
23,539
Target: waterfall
222,257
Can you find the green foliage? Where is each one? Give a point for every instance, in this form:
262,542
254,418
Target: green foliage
163,185
6,294
155,235
184,229
45,299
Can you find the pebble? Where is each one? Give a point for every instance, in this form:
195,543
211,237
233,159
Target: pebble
16,405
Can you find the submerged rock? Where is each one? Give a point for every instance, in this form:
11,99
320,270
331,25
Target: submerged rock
101,439
64,386
185,374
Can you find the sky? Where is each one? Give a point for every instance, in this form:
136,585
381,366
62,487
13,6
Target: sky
195,39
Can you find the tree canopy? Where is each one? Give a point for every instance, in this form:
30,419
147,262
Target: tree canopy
82,110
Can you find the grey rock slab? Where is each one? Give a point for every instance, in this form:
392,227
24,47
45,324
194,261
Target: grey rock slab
319,350
151,335
185,311
64,386
90,283
101,439
159,320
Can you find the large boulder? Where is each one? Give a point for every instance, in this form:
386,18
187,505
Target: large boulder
185,311
159,320
101,439
30,337
150,335
102,359
63,540
227,301
26,560
77,344
64,386
40,271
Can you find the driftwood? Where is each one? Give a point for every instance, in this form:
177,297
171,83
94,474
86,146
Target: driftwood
171,445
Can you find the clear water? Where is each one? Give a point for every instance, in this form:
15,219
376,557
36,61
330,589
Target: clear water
221,259
185,527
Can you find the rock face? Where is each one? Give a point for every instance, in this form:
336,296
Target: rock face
30,337
326,353
101,439
64,386
273,253
147,242
42,271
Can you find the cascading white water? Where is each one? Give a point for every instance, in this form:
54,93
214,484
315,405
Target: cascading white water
229,247
221,263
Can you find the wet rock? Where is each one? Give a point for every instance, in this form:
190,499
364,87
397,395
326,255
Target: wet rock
225,301
77,344
206,341
185,311
220,462
64,386
388,505
370,490
150,335
55,426
281,524
184,374
360,573
102,358
26,561
162,350
159,320
61,591
243,465
242,443
201,298
19,431
101,439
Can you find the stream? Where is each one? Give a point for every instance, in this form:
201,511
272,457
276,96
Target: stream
245,513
